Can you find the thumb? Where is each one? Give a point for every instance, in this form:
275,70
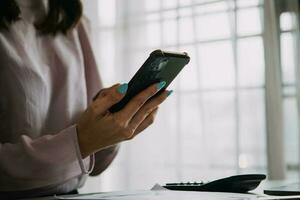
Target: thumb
108,97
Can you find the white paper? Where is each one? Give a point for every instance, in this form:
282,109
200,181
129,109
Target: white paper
158,187
165,195
279,197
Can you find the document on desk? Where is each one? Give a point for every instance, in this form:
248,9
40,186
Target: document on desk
280,197
164,195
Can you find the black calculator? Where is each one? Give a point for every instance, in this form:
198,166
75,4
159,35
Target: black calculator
234,184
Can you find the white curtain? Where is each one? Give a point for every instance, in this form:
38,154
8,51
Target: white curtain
215,122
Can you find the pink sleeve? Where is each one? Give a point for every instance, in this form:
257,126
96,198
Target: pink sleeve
47,160
92,76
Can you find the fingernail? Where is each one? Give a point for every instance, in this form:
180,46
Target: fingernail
123,88
169,93
160,85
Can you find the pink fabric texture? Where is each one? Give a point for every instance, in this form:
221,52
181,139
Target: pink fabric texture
46,83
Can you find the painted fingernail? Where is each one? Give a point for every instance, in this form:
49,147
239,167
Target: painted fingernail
123,88
160,85
169,93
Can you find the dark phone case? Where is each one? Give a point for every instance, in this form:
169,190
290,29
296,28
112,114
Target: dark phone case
160,66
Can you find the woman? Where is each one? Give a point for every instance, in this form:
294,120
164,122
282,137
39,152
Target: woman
54,129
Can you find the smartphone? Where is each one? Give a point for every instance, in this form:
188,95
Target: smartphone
160,66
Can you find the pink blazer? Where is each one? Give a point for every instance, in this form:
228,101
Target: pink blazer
46,83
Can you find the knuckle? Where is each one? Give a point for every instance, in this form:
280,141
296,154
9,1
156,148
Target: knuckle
148,112
140,101
120,125
151,119
127,134
148,108
159,99
164,96
102,93
151,92
112,97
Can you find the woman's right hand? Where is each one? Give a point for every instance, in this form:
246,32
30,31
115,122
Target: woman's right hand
98,128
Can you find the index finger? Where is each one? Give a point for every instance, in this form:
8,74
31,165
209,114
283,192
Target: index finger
138,101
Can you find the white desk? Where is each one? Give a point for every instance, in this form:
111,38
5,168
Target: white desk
259,190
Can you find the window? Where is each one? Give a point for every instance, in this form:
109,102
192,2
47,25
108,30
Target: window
214,124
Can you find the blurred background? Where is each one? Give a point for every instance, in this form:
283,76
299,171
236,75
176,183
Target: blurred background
235,107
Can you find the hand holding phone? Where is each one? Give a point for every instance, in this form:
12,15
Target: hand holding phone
131,107
98,129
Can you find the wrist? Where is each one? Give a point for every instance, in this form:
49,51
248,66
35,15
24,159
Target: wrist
82,143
